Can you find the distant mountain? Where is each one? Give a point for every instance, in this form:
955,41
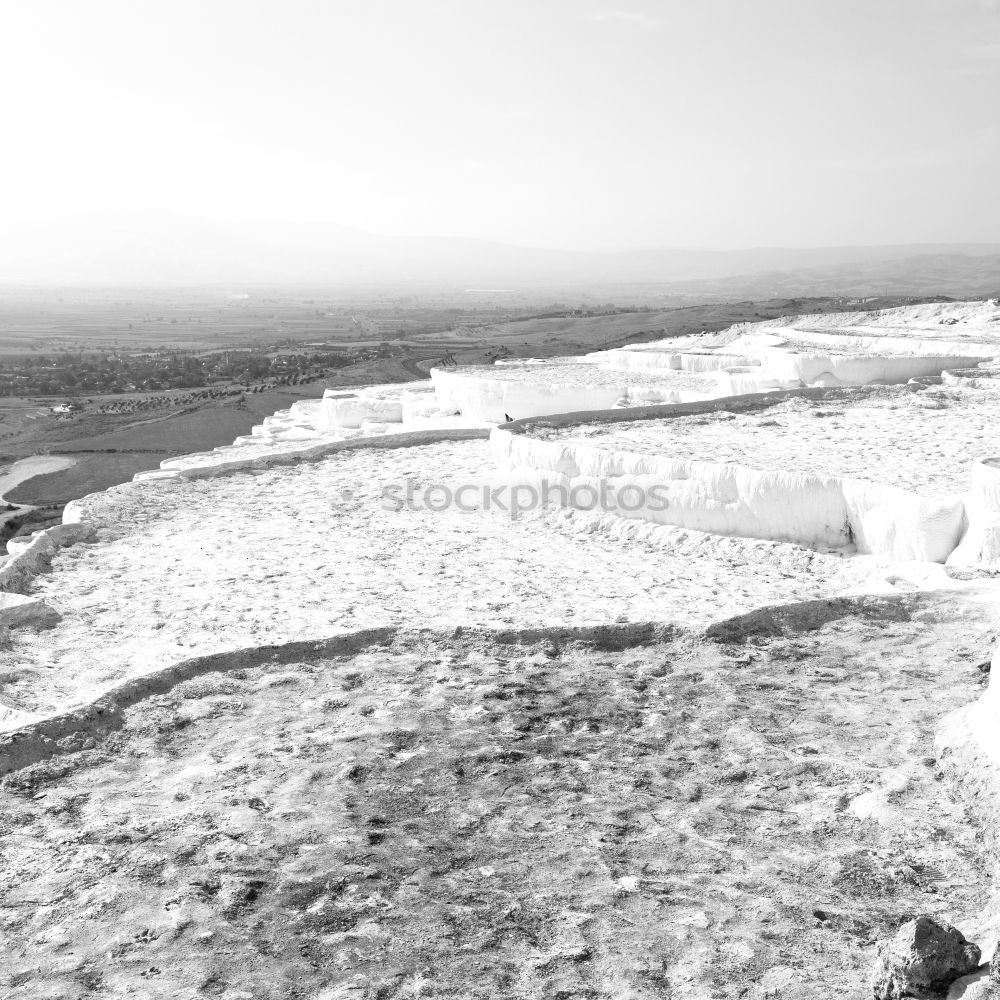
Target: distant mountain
173,250
960,275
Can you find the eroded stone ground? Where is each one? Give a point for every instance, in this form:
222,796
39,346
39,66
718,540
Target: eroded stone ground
733,815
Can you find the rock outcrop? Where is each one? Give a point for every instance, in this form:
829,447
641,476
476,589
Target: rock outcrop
924,958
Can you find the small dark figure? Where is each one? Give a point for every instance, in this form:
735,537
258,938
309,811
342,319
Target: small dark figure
508,418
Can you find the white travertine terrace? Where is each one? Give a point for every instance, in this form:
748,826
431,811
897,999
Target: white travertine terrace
784,499
191,566
886,476
923,441
818,511
903,476
750,478
981,544
888,347
564,385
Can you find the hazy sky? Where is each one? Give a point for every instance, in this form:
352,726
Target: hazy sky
563,123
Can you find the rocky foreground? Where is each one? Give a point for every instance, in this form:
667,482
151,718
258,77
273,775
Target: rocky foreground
626,812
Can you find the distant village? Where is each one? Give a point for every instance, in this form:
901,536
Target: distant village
78,377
